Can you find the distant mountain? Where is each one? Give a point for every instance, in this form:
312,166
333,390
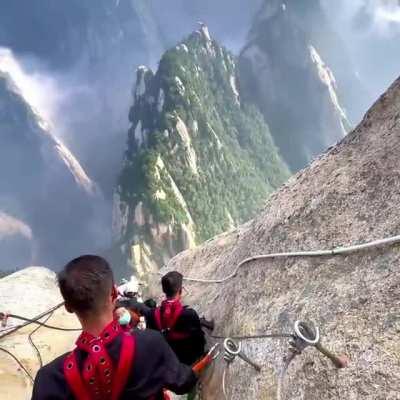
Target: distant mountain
92,48
199,160
284,69
42,183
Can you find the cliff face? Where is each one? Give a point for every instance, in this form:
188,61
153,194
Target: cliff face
90,48
284,71
199,159
349,195
42,183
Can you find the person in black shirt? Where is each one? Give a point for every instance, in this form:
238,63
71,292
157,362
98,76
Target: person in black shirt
108,362
179,324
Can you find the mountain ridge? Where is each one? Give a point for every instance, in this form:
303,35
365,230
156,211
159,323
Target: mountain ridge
199,159
51,181
284,72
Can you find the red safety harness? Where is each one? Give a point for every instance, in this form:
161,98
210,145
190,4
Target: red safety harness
166,317
98,380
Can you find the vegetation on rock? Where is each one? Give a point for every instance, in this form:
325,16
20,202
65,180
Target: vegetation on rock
197,157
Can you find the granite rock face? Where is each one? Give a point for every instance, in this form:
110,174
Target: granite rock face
349,195
29,293
288,71
42,184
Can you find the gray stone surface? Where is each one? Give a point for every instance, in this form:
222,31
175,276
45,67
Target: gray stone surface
29,293
349,195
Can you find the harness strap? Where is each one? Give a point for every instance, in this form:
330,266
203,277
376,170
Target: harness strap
79,388
174,335
166,317
157,317
124,366
74,378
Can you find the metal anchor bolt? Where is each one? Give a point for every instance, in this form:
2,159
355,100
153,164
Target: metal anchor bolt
309,335
232,350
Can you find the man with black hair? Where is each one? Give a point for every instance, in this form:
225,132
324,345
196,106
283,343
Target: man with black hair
108,362
180,325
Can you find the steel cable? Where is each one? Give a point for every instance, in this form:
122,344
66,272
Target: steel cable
295,254
36,321
18,362
16,328
33,344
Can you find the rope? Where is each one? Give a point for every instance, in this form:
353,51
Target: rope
28,321
315,253
281,377
19,363
304,336
33,344
252,337
16,328
224,382
229,357
35,321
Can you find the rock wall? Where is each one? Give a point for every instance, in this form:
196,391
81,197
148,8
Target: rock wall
42,183
349,195
283,69
29,293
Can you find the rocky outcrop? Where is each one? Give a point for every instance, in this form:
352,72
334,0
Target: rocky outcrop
349,195
42,183
29,293
284,71
199,159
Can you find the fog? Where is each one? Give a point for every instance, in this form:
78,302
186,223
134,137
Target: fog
75,62
371,32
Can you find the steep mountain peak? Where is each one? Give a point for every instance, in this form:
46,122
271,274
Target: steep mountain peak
42,182
195,153
327,77
17,102
284,72
204,31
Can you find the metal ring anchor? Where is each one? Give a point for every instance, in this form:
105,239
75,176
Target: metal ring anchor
231,350
302,330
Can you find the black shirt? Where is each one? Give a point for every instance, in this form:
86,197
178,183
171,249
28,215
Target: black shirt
155,367
188,350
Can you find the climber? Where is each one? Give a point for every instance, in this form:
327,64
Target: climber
128,319
108,362
180,325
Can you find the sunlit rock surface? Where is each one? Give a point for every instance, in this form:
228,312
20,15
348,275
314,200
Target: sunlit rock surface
349,195
29,293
